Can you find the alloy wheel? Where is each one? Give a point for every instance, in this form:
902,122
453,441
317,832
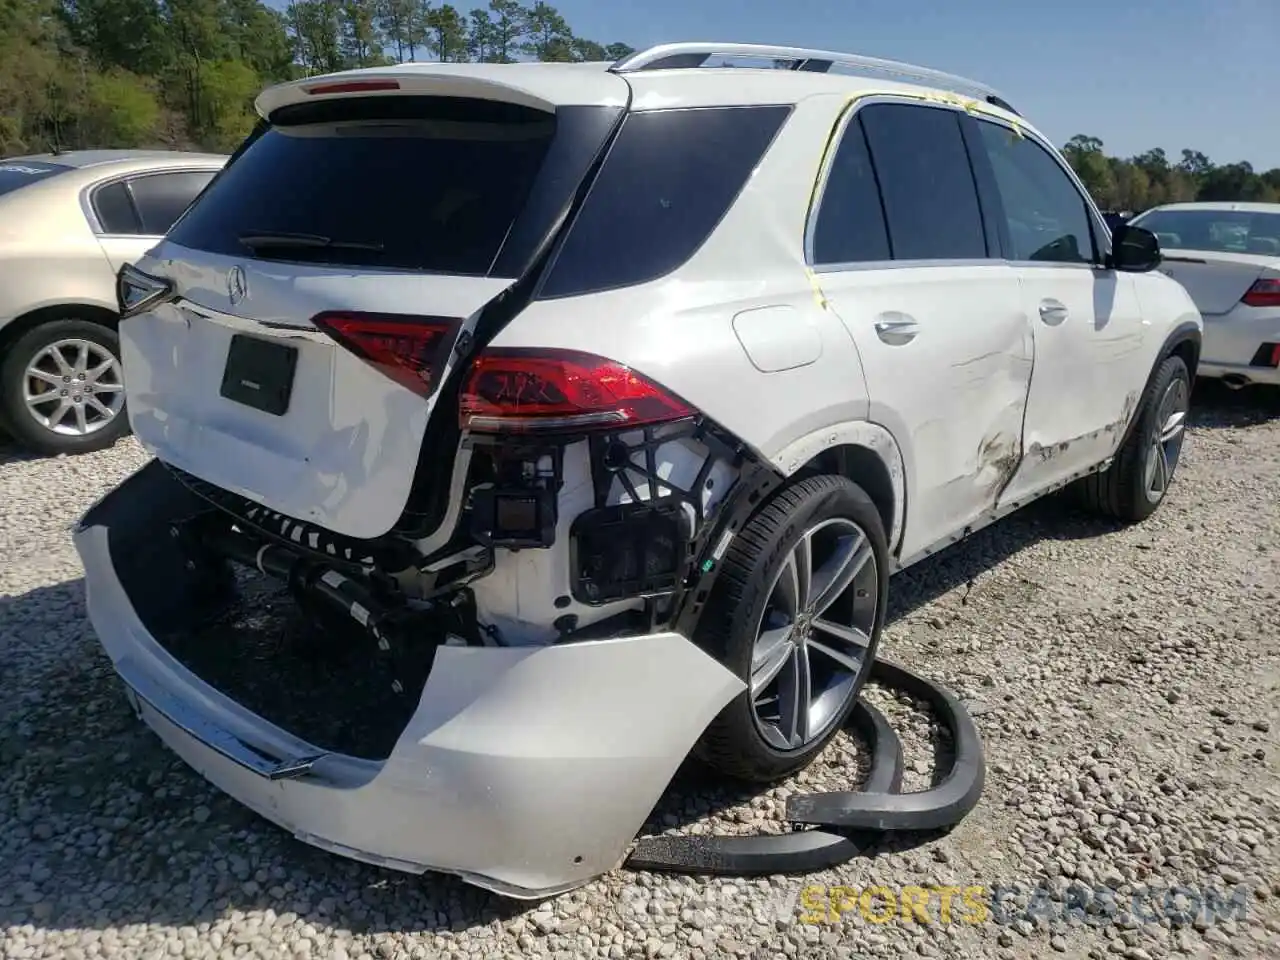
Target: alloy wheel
73,387
814,634
1165,445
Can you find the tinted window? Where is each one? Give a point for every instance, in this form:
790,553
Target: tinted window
930,200
1226,231
115,210
668,180
20,173
850,225
434,189
162,197
1046,215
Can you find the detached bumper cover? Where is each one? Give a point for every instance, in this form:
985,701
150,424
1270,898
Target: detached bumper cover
526,771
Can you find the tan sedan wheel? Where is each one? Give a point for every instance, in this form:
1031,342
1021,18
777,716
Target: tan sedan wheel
62,388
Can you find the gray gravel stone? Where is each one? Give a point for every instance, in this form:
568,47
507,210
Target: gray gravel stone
1097,659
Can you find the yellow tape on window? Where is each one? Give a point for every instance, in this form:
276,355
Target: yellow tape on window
966,104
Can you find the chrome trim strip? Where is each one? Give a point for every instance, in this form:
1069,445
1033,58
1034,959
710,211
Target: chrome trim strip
139,691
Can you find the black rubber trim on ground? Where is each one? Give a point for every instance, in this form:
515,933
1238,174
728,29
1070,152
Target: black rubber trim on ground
799,851
886,749
944,805
878,807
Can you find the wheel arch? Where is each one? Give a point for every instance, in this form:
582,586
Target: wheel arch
861,451
26,322
1184,341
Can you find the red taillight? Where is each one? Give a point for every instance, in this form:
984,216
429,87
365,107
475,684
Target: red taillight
525,390
1264,293
353,86
406,349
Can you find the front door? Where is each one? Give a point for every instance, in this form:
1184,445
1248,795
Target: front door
1086,319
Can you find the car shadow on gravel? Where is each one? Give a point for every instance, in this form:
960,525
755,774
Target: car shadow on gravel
1216,406
11,452
696,792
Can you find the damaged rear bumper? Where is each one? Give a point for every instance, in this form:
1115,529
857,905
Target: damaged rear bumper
526,771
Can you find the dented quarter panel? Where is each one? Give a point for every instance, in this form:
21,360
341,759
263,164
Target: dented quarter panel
859,433
954,395
679,329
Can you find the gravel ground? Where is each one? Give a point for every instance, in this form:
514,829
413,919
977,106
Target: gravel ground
1126,683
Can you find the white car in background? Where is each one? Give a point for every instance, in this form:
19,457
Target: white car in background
68,223
1227,255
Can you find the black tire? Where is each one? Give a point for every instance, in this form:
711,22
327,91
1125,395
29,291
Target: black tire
13,410
1120,491
733,743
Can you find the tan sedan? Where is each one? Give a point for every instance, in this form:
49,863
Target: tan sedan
68,222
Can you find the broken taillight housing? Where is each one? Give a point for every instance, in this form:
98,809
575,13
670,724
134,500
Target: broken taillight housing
519,389
408,349
1263,293
135,290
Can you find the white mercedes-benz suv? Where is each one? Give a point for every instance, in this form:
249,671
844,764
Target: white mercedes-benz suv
534,425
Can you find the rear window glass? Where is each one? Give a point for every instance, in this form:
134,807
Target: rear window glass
850,226
1223,231
115,209
436,188
161,197
20,173
670,177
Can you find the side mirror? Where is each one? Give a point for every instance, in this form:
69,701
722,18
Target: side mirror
1134,249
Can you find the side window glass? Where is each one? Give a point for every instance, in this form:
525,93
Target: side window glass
849,226
163,197
1046,215
115,210
669,178
926,182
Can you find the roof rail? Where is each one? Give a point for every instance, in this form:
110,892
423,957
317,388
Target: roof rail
668,56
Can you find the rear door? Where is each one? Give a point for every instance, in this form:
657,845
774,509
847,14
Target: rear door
320,285
902,253
135,212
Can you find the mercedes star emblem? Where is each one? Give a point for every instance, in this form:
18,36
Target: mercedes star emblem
237,288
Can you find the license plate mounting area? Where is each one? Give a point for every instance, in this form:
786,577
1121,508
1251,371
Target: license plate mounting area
259,373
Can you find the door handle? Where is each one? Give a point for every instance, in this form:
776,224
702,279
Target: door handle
896,329
1053,312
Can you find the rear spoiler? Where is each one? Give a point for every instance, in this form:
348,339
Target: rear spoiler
540,86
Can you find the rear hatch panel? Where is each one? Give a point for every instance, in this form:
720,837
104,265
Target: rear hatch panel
344,452
413,206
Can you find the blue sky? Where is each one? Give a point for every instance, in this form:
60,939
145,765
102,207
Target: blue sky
1203,74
